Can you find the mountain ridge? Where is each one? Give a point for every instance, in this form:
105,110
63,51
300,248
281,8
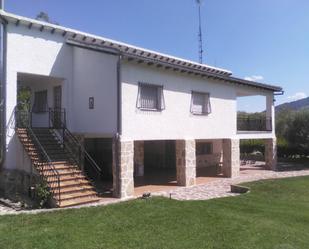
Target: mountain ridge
294,105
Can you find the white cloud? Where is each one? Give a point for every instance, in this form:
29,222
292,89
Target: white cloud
297,96
255,78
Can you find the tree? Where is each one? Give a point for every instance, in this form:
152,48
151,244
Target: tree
298,132
284,119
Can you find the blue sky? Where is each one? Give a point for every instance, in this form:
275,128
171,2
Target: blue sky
267,40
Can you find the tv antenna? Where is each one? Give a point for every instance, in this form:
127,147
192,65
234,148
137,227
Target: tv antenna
200,37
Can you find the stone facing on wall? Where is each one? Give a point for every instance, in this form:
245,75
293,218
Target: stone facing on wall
139,158
15,182
185,162
231,158
123,165
271,153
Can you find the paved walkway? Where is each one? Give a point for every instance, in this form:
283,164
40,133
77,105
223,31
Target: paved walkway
7,207
219,187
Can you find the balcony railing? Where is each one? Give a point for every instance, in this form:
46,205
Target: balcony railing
254,124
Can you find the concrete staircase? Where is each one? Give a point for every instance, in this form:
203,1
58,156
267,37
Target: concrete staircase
66,181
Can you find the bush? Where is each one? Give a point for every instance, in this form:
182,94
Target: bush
43,195
251,146
292,129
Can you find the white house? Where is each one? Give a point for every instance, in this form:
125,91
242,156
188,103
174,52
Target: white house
133,110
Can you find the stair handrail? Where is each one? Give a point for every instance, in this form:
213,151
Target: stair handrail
47,159
73,138
94,165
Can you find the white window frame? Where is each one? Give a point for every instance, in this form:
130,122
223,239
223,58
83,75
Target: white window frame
160,104
207,105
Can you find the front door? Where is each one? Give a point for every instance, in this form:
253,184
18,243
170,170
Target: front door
57,107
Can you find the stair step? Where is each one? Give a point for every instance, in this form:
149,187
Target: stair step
78,201
68,172
75,195
71,183
66,178
52,146
49,142
61,164
74,189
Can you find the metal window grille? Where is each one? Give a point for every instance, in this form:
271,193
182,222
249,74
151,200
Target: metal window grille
200,103
150,97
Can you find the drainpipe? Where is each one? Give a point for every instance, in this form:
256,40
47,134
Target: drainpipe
119,96
3,46
119,130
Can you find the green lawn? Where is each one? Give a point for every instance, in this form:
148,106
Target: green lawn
275,214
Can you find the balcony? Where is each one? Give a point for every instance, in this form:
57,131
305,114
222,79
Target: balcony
259,124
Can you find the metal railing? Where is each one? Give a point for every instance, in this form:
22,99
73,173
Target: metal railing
71,144
78,151
43,163
57,118
254,124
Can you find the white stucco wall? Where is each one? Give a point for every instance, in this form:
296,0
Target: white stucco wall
92,74
95,75
176,121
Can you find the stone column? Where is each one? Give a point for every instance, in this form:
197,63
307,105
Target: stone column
123,157
271,153
185,162
231,157
139,158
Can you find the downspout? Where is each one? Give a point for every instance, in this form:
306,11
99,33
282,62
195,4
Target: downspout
119,130
3,47
119,97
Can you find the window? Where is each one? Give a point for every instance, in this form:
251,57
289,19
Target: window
40,101
200,103
203,148
150,97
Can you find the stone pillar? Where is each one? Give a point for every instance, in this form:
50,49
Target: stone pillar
231,157
123,157
271,153
139,158
185,162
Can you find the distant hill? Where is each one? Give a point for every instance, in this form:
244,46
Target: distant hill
295,105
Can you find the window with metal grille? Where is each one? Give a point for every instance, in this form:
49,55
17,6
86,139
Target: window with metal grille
200,103
150,97
204,148
40,102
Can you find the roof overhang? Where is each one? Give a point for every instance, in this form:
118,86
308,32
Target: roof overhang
166,63
133,53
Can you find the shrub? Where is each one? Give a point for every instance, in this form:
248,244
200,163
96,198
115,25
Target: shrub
43,195
252,145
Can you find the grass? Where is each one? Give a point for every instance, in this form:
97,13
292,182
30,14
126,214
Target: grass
275,214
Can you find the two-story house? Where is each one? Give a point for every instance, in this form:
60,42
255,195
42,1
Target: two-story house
74,103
